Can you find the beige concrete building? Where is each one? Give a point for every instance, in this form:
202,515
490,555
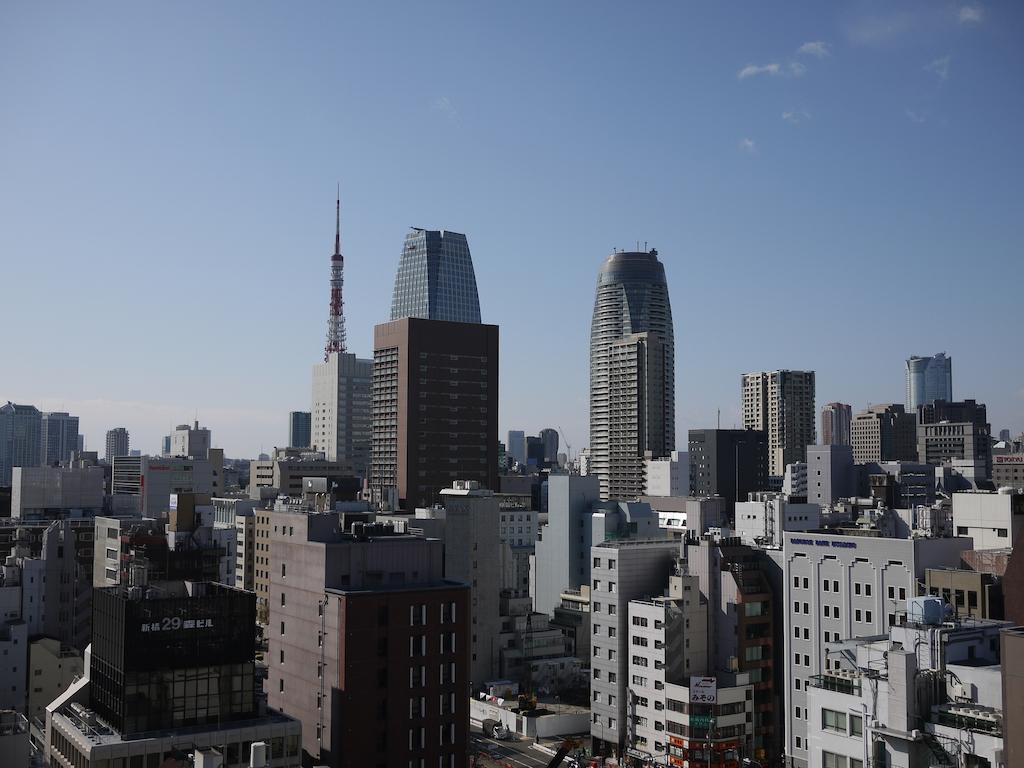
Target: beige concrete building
286,470
970,594
52,667
781,404
884,432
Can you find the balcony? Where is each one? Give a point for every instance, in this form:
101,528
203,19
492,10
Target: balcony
977,720
837,684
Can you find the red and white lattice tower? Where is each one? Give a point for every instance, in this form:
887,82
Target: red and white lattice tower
336,319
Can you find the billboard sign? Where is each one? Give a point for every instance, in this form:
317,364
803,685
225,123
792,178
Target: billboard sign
703,690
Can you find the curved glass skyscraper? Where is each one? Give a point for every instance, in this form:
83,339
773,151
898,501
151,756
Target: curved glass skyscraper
435,278
632,372
929,379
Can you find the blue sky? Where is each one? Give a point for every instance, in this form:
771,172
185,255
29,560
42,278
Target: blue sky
831,186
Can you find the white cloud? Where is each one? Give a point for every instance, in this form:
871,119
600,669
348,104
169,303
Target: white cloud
817,48
796,68
939,67
971,14
797,116
877,30
751,70
444,105
747,145
917,117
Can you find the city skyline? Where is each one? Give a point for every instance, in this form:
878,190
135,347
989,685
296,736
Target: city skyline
786,132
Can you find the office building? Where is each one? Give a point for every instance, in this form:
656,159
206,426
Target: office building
970,594
165,445
435,409
117,444
632,372
468,527
731,463
765,517
898,484
20,438
171,667
666,643
992,519
667,476
435,278
742,592
300,426
58,438
577,521
835,424
535,454
871,706
49,492
369,644
621,570
191,442
928,378
146,483
831,474
952,432
839,585
14,737
285,473
549,437
341,415
884,432
517,445
781,404
687,516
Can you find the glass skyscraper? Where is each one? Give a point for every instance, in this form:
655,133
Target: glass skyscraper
435,278
929,379
632,372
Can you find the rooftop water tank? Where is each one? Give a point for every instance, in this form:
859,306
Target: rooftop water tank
925,610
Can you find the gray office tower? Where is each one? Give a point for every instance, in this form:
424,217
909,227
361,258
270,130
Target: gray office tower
117,443
435,278
58,438
835,424
730,463
20,428
299,428
549,437
632,372
928,379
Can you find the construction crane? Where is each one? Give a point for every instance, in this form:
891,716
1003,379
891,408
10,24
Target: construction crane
568,448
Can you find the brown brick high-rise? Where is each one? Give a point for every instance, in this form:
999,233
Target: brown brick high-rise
435,409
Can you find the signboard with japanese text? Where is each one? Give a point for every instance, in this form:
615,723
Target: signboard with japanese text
703,690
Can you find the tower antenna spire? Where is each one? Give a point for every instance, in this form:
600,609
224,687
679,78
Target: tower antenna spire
336,318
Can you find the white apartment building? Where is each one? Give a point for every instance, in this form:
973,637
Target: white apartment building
992,519
667,642
763,519
678,515
667,476
190,441
841,585
794,482
691,707
620,571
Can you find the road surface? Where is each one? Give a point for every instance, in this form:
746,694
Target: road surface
506,754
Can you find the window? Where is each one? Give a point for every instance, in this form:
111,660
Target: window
867,616
796,582
597,562
867,589
825,585
283,568
832,760
833,721
835,585
903,593
611,564
892,593
639,621
856,588
856,725
1001,533
961,530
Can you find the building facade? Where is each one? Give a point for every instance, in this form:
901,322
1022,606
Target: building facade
835,424
58,438
435,278
831,474
435,409
950,432
300,425
632,372
884,433
781,404
342,403
20,438
118,444
667,476
369,644
928,378
730,463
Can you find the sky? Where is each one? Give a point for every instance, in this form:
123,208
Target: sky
831,186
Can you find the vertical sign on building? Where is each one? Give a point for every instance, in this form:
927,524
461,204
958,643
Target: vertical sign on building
703,690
